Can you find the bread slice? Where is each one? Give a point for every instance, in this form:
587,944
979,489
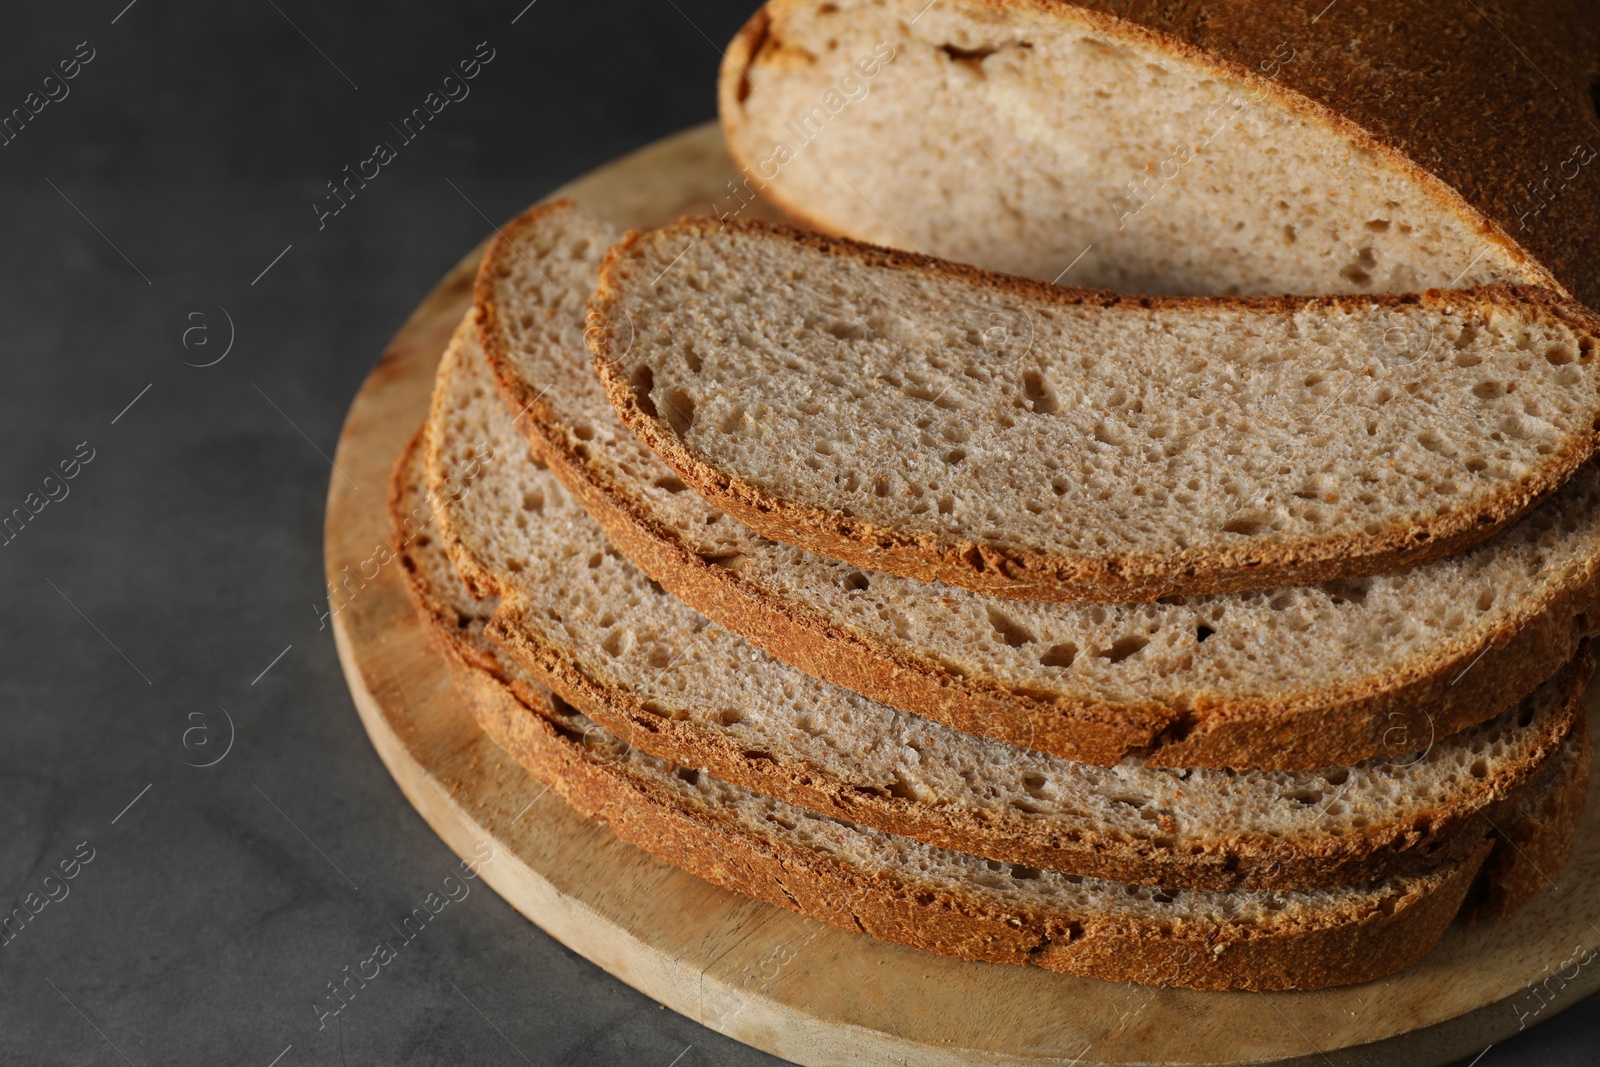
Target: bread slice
1023,440
1289,679
665,679
1153,147
911,893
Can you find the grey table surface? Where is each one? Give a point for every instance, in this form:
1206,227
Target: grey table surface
171,587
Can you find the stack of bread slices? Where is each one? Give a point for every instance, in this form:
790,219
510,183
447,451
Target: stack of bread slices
1216,640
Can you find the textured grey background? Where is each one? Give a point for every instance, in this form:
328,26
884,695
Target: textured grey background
187,554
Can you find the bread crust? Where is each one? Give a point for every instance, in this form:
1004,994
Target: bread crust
1327,727
1338,949
1534,836
1024,573
1433,90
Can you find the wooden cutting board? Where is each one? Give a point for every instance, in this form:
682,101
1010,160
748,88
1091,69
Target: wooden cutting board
797,988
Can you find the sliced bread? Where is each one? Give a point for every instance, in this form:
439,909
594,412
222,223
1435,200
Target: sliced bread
1016,438
1247,147
1293,678
667,680
903,891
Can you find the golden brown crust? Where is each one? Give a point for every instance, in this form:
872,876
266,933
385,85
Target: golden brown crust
1534,836
1335,949
1433,89
1021,572
1332,726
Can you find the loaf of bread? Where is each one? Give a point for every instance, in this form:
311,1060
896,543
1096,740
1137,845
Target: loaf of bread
1225,147
901,890
1223,641
1292,678
1025,440
653,672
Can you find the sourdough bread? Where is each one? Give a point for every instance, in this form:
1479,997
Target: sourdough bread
665,679
1232,147
907,892
1292,678
925,419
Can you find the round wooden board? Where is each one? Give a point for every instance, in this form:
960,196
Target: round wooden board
799,989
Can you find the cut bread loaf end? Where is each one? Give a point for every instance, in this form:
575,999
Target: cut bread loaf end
922,418
654,673
1287,679
1149,147
902,891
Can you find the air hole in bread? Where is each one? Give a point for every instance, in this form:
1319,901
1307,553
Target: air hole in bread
533,500
1203,632
966,55
1060,655
680,411
732,421
1037,392
1248,524
972,58
1343,591
643,380
904,789
1008,630
851,331
855,582
670,483
1123,647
